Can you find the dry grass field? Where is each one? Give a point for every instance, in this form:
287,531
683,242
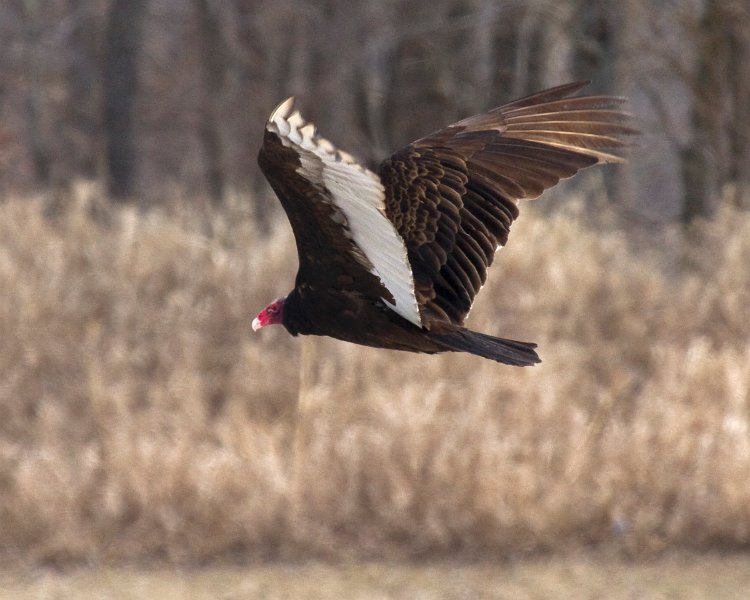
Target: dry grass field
143,422
711,577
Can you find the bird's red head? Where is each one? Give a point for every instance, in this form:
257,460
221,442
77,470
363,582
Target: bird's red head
272,314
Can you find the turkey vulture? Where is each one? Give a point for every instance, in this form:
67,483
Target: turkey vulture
394,259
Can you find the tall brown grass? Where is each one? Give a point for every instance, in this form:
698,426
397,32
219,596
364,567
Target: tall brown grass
141,419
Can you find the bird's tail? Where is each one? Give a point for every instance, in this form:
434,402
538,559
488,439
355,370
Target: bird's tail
509,352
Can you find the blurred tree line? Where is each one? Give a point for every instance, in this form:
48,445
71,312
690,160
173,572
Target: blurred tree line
153,95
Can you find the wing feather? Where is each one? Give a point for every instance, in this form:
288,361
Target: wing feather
337,210
422,233
453,194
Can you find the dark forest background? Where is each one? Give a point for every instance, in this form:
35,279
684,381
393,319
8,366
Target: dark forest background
153,96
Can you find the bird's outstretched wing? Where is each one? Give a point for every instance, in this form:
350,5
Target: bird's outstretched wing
337,211
453,195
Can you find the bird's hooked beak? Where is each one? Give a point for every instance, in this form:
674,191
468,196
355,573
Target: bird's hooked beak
271,315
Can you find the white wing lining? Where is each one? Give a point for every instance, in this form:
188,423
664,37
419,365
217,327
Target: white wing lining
358,193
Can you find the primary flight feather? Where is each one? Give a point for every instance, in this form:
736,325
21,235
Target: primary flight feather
394,259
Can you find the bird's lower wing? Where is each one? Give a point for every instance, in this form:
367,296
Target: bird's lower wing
337,210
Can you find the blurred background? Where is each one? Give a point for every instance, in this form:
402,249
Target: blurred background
152,95
141,420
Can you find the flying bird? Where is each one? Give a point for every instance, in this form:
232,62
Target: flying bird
394,258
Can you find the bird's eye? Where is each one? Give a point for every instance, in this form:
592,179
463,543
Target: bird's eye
271,310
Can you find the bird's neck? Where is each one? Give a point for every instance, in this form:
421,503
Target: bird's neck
295,319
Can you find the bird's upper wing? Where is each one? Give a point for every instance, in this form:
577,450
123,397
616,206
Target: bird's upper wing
337,211
452,195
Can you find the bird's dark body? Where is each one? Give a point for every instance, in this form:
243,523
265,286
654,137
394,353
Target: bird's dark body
352,318
447,200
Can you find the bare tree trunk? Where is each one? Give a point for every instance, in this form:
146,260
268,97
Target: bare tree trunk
124,37
483,45
82,131
213,57
693,157
693,167
737,28
600,23
35,100
525,46
599,42
373,81
624,188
